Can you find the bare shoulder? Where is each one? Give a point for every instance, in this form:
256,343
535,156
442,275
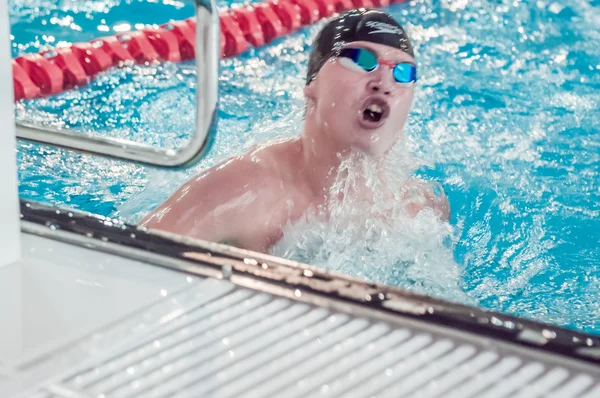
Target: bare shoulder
240,169
276,159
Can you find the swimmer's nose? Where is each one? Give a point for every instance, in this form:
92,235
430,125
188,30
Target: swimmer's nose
379,85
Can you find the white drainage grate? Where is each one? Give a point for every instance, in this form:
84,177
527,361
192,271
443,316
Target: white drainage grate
244,343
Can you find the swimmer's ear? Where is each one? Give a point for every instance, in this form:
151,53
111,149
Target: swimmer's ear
310,89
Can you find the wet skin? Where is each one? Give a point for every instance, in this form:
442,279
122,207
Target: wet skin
245,201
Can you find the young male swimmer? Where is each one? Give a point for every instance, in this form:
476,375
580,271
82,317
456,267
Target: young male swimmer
359,90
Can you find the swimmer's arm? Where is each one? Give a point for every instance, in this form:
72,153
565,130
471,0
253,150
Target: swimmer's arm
419,194
214,206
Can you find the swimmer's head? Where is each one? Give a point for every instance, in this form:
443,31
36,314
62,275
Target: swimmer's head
360,80
357,25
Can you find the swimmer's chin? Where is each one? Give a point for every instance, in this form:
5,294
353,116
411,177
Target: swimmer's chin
372,144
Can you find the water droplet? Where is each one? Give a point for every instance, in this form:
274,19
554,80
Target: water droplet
324,388
225,341
130,370
250,261
389,371
308,273
297,293
227,271
163,292
549,334
509,325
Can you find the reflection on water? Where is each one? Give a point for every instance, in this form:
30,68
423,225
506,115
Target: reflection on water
505,117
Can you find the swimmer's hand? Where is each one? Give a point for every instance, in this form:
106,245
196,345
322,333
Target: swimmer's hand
418,195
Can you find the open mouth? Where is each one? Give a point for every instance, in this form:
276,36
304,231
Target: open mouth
374,112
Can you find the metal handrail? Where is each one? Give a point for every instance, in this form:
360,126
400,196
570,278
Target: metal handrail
207,64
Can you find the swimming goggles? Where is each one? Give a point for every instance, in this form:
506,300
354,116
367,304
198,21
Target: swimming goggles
363,59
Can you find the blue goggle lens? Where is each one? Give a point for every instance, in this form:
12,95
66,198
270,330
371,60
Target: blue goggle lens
405,73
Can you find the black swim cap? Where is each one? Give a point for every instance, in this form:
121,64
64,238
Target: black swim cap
357,25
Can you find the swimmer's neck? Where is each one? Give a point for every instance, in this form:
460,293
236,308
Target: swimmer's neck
320,156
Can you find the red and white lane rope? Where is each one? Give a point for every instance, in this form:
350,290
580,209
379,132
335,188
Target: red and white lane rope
53,71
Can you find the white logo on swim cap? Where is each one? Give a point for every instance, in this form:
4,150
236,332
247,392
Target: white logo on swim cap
382,27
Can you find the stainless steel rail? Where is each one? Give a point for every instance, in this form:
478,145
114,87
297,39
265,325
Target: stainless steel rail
207,64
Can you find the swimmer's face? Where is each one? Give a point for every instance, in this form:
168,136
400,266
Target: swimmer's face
359,109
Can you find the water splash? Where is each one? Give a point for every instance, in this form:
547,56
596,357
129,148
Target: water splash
374,238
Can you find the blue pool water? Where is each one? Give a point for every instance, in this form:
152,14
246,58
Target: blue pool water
506,119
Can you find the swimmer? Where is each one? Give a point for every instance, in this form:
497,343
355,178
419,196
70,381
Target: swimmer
359,90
